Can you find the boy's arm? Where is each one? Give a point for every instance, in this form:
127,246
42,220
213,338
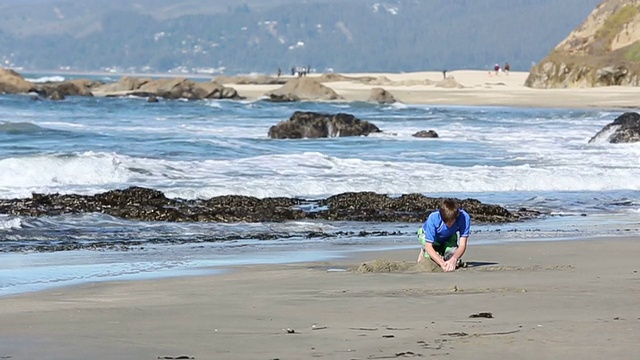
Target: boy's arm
433,254
462,247
452,263
429,228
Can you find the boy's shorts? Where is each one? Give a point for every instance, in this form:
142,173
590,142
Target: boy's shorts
446,249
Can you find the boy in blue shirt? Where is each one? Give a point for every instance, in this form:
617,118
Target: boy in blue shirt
439,235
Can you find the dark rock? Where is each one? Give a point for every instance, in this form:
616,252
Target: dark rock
317,125
426,134
142,204
368,206
56,96
624,129
282,98
152,99
78,87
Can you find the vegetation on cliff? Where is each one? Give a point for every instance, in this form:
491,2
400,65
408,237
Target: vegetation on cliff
603,51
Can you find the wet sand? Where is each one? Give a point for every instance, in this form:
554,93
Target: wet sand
570,300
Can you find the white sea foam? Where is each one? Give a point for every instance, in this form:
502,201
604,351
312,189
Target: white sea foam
21,176
605,136
478,151
398,105
316,174
214,104
45,79
305,174
10,224
61,125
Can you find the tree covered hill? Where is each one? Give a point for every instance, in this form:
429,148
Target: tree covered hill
262,35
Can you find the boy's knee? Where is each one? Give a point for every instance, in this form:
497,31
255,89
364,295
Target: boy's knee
421,237
449,252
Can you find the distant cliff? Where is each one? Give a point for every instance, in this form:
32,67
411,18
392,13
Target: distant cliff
603,51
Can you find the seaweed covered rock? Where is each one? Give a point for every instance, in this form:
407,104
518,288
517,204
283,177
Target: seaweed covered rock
136,203
427,134
624,129
317,125
369,206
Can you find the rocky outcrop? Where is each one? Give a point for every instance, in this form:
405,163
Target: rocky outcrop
141,204
316,125
381,96
305,88
170,88
60,90
124,84
624,129
429,134
603,51
13,83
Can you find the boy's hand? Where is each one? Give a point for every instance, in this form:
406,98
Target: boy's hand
450,265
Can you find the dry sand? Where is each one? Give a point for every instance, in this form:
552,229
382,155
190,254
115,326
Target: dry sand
479,88
548,300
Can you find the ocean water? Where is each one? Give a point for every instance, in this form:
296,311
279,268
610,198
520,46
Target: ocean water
515,157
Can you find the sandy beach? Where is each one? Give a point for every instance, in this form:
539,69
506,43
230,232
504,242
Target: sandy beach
479,88
474,88
517,301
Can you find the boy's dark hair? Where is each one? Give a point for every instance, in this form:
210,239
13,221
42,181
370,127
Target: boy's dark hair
448,209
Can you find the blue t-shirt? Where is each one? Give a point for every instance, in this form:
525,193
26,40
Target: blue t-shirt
436,230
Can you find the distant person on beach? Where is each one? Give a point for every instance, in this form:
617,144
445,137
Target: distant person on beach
507,67
444,74
279,72
496,68
444,235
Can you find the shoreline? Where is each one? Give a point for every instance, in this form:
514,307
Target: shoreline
476,88
545,301
29,272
